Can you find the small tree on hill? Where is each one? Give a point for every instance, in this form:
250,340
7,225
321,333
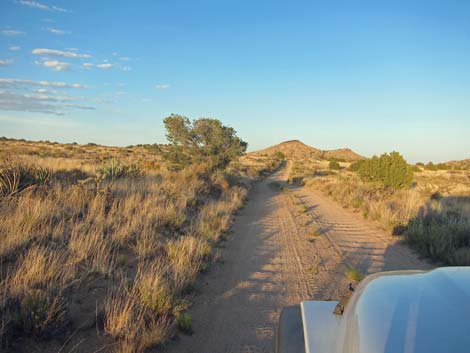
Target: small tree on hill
279,155
334,165
202,140
391,170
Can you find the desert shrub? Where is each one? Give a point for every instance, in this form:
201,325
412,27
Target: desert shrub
202,140
42,314
415,169
354,274
443,166
17,177
279,155
130,320
430,166
356,166
114,169
184,322
441,231
390,170
152,288
334,165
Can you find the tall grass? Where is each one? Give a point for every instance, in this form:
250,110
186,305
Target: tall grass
143,235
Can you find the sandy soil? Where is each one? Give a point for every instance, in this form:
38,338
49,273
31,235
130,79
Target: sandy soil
271,260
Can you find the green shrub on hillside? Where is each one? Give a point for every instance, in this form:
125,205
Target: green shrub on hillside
355,166
279,155
390,170
430,166
334,165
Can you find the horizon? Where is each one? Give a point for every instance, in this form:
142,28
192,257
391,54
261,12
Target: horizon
365,76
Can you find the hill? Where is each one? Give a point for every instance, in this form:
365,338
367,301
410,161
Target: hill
298,150
463,164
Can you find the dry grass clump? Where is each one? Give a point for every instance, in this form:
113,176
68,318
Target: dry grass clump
33,294
441,230
130,320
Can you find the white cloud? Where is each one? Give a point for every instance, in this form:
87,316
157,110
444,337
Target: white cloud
13,48
87,65
38,103
105,66
125,58
126,68
56,65
57,31
49,98
162,86
38,5
121,84
65,54
54,122
16,82
5,62
13,33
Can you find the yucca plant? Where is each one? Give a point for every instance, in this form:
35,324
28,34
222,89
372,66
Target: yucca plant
17,177
114,169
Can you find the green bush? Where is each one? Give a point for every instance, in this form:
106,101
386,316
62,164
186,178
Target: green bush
390,170
334,165
279,155
202,140
185,322
354,167
430,166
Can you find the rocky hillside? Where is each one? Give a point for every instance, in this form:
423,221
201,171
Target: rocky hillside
298,150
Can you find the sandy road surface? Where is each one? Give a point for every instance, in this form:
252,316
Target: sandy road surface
270,260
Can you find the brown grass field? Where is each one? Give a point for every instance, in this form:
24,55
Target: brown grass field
101,246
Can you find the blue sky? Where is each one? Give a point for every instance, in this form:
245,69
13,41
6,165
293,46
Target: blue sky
374,76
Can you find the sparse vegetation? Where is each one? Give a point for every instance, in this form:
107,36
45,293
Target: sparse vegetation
185,322
334,165
433,214
354,274
112,237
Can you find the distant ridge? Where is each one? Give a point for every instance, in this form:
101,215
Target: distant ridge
299,150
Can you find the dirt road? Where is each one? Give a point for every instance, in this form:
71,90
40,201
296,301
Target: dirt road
272,259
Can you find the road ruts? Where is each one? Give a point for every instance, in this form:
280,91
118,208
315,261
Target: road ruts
271,260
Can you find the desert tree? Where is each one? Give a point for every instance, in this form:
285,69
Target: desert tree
203,140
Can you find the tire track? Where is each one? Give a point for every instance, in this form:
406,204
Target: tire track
271,260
